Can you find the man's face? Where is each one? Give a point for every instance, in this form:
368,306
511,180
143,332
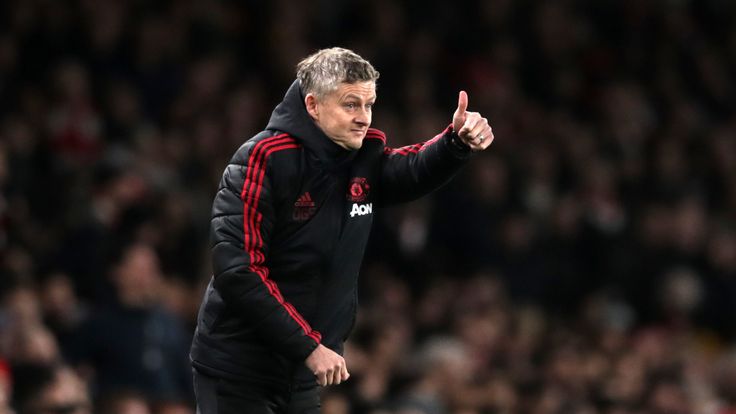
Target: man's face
345,114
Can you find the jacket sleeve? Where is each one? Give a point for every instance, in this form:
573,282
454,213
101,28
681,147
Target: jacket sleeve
410,172
242,221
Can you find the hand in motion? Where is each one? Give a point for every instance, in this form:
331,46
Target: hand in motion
328,366
471,127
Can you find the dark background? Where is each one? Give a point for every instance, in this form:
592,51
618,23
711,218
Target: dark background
585,263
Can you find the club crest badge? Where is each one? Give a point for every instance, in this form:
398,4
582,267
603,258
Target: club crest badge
358,189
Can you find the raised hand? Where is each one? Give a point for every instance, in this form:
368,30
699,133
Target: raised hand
471,127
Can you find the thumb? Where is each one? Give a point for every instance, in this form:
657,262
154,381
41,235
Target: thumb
462,102
458,119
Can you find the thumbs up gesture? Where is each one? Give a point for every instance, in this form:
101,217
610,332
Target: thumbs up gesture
472,128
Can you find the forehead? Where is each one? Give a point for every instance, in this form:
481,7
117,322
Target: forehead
363,90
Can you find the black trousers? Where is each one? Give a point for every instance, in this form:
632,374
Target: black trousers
224,396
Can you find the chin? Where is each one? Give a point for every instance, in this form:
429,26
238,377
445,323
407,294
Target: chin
357,143
354,146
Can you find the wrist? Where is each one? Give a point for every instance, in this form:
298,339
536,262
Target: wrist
456,144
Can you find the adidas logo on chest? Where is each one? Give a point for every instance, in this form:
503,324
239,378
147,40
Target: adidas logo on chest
304,207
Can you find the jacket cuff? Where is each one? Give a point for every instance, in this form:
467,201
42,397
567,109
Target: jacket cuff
305,346
456,146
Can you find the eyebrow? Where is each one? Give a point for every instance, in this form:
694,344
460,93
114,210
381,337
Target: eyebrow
354,96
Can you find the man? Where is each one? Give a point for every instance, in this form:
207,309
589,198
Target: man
290,223
133,343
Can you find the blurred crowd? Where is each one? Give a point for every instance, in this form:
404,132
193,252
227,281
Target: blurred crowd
585,264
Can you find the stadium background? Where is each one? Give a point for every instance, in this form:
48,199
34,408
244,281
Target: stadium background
586,263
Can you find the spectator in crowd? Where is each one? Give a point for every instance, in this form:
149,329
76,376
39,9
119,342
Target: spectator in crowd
62,309
134,343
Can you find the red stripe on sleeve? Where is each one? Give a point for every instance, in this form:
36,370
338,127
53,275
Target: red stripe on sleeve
414,149
254,154
248,182
260,171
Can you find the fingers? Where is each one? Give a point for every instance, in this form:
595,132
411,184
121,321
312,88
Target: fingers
321,378
328,366
487,140
472,124
480,136
479,128
476,132
341,373
333,374
478,144
344,375
337,375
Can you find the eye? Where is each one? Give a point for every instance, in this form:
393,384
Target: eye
369,106
350,105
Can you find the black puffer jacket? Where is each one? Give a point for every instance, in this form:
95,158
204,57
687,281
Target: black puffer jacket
290,223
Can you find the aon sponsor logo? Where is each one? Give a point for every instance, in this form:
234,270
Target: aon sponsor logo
361,209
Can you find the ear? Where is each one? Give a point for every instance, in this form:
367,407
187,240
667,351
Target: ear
310,101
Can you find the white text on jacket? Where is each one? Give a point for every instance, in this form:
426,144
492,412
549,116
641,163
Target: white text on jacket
361,209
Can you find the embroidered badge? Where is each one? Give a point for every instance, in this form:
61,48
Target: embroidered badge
358,189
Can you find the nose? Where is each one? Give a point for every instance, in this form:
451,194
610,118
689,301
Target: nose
363,117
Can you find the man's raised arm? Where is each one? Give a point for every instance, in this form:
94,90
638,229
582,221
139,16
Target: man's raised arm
410,172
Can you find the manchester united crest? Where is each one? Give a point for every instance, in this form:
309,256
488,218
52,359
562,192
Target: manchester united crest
358,189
